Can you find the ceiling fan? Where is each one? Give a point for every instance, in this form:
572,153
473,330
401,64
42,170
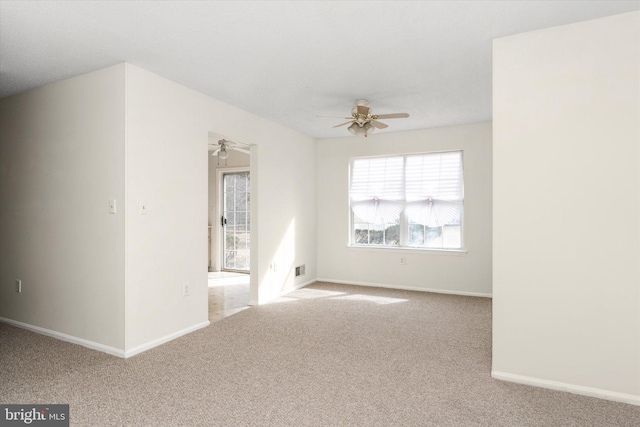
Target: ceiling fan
224,145
363,123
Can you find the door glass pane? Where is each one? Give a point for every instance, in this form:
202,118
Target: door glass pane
241,183
241,201
242,260
230,259
230,241
229,183
241,218
237,230
231,220
229,201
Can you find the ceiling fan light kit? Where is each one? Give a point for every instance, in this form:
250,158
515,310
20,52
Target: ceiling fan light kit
361,130
363,123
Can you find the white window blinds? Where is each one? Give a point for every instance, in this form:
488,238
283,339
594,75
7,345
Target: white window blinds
428,186
377,190
434,188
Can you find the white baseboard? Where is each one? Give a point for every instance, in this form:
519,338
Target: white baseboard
406,288
101,347
64,337
570,388
302,285
147,346
288,291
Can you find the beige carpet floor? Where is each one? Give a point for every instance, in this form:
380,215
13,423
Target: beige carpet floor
325,355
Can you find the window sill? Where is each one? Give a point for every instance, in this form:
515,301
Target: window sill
430,251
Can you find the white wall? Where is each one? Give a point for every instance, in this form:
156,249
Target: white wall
114,282
61,161
566,305
465,273
166,168
286,178
167,134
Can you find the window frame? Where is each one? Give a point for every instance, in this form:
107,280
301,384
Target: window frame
404,220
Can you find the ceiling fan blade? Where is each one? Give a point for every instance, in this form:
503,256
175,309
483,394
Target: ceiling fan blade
215,152
393,116
363,109
242,150
334,117
378,125
237,144
342,124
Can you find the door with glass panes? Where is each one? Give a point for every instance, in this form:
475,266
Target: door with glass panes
235,221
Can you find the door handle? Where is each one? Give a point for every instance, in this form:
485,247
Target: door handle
223,221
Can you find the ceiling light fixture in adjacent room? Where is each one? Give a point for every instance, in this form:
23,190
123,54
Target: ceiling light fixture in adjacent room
224,145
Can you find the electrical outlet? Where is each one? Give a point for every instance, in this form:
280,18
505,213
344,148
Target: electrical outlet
403,261
19,286
185,289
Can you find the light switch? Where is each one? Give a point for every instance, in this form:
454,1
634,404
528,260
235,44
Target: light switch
144,208
112,206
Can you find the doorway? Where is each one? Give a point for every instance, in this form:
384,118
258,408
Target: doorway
229,228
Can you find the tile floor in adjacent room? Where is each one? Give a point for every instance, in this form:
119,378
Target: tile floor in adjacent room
228,294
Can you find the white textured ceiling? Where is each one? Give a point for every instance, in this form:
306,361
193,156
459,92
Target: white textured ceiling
289,61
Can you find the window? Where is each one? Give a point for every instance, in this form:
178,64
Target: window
413,200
